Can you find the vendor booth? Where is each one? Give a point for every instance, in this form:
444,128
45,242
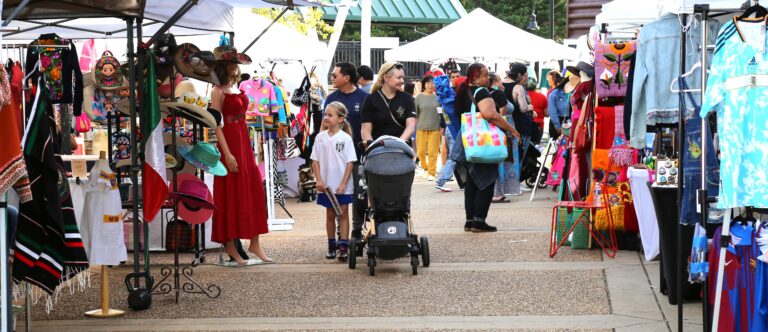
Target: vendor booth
146,78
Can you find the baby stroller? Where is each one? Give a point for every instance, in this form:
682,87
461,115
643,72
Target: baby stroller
529,168
389,170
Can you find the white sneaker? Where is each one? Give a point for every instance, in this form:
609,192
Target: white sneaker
525,189
430,178
443,188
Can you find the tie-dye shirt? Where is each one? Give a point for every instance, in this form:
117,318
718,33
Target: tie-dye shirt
742,121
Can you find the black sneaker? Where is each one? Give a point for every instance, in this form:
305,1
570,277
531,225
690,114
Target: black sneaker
482,227
343,255
468,226
331,254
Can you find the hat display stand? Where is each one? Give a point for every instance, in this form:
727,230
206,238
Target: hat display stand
270,176
176,279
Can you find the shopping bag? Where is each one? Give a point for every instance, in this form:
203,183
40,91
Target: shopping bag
483,141
558,165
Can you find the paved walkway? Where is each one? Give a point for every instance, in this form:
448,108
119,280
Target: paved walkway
499,281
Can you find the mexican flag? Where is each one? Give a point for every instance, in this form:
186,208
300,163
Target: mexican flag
155,186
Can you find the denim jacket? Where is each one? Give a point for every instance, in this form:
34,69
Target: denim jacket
557,105
657,64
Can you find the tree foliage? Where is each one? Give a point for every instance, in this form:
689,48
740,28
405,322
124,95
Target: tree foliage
313,19
517,13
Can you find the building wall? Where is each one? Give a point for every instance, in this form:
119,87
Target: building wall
581,16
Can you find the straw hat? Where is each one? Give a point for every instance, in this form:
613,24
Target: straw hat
573,82
190,105
229,54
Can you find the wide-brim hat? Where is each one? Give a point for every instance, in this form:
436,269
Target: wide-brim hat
192,213
192,194
192,62
189,105
582,66
204,156
229,54
573,82
170,162
124,106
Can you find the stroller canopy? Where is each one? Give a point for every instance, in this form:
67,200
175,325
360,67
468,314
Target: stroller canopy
389,155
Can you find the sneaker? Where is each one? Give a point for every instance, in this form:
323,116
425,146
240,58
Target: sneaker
343,255
482,227
331,254
431,178
443,188
525,189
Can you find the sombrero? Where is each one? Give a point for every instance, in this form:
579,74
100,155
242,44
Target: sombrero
194,63
195,199
229,54
573,82
181,165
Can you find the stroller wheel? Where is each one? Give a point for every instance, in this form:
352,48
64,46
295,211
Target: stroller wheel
543,179
352,260
372,266
415,264
424,251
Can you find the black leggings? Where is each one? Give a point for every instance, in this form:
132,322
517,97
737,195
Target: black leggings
477,202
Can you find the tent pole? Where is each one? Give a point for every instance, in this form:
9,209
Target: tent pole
134,151
15,12
265,30
172,20
42,25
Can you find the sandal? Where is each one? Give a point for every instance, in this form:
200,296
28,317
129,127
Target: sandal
500,199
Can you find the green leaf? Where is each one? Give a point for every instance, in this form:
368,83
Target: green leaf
628,56
610,57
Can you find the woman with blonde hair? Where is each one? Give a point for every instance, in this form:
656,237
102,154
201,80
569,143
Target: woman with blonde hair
388,110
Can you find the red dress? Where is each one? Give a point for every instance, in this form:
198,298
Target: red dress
239,197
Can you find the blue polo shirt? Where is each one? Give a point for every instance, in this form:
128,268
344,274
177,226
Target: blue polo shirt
354,102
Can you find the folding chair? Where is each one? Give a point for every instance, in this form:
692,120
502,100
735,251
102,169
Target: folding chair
608,245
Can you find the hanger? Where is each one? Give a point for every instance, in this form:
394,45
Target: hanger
756,9
674,84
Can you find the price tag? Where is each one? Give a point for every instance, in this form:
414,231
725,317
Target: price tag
439,110
79,169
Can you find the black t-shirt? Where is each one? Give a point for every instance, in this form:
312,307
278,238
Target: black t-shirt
464,105
378,110
499,99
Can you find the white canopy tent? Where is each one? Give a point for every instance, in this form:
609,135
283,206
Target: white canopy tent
204,17
470,38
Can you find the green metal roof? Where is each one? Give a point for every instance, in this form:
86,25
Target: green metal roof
404,11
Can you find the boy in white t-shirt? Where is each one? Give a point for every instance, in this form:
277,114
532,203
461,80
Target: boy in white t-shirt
332,157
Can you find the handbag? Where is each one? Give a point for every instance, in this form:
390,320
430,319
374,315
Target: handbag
582,135
288,148
186,239
483,141
82,123
300,95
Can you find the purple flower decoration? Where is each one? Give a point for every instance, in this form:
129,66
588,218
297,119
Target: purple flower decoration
45,61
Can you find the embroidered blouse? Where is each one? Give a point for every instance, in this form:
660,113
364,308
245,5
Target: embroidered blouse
60,68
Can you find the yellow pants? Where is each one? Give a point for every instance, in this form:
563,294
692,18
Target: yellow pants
428,144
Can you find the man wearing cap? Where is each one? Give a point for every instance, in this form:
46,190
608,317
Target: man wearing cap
343,78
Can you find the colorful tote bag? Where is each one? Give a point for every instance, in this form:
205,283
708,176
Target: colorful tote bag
558,164
612,67
483,142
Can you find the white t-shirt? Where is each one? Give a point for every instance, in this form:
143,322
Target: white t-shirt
333,153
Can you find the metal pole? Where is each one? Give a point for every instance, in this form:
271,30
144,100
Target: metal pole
680,134
264,31
134,149
552,19
5,302
702,193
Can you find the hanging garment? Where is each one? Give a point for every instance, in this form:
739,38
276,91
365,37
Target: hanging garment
262,100
59,67
48,247
17,77
13,170
239,196
101,222
738,80
612,62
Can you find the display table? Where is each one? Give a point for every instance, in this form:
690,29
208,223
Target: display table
667,209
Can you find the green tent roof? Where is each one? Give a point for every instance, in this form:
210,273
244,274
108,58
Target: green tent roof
404,11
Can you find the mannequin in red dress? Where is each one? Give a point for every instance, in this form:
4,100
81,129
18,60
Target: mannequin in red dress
239,196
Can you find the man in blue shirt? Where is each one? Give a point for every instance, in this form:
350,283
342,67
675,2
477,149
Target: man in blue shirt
344,80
